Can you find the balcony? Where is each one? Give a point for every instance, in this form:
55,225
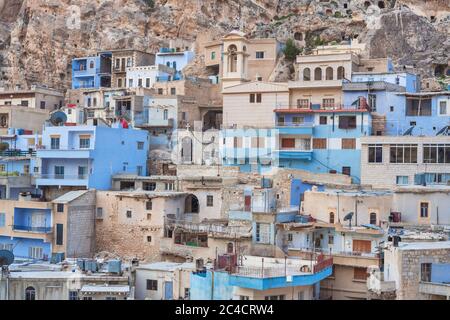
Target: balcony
377,285
17,153
268,273
293,154
435,288
46,152
295,128
33,229
61,180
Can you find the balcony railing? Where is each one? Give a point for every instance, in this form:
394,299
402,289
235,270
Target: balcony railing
17,153
35,229
62,176
321,107
293,124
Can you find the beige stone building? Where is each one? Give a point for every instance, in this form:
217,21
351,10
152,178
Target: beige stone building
37,97
236,59
128,58
22,118
394,161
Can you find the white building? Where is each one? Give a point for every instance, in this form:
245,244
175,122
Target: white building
147,76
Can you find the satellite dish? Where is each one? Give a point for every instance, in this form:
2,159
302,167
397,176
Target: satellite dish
58,118
348,217
6,258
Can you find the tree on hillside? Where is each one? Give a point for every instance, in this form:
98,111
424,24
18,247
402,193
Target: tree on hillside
291,50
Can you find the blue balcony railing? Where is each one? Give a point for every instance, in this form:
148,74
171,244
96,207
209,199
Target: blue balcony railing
35,229
17,153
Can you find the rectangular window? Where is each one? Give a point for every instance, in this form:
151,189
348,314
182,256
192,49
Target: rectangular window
258,98
169,186
290,237
149,186
372,102
362,246
54,143
59,172
24,103
280,297
319,143
152,285
42,105
36,253
346,170
147,82
425,272
418,107
213,55
442,108
26,169
359,273
259,54
99,213
436,153
160,91
252,98
330,239
149,238
59,234
323,120
347,122
375,153
129,214
298,120
82,173
60,207
140,145
73,295
2,219
328,103
262,232
424,209
303,103
85,143
149,205
209,201
281,121
139,82
173,91
402,180
288,143
139,170
403,153
348,143
130,83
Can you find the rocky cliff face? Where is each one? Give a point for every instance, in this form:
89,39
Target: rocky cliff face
38,38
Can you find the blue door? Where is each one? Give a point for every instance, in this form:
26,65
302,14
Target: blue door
168,290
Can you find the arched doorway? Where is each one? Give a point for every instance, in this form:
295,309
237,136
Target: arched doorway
191,204
30,293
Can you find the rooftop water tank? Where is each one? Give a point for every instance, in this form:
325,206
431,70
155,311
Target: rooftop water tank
115,266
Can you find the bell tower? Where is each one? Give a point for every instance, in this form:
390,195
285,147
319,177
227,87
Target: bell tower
235,59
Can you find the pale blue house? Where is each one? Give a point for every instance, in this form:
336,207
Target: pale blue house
92,72
177,60
88,156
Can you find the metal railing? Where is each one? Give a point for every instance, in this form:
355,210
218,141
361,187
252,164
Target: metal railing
272,272
17,153
42,229
292,124
62,176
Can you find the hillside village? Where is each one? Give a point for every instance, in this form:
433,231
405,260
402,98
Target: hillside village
248,176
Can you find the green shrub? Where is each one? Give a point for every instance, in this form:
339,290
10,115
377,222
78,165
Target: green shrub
291,50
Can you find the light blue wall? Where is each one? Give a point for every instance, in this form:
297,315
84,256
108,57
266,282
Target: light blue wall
113,151
202,284
22,245
440,272
181,60
407,80
23,217
298,187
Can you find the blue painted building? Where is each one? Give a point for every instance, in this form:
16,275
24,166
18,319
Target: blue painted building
177,60
259,278
321,140
92,72
88,156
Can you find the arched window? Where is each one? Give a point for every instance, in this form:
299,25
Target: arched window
191,204
166,114
340,73
91,65
232,58
168,64
329,73
30,293
373,218
174,65
331,217
230,247
306,74
318,74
